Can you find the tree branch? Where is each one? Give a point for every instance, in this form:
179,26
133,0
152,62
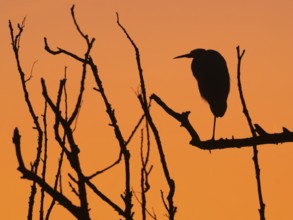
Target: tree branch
27,174
16,45
182,118
144,104
253,132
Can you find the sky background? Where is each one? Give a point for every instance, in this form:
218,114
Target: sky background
220,185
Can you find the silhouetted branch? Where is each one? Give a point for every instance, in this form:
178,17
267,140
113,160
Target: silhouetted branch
15,39
107,168
60,51
259,130
44,161
144,104
32,200
253,132
152,215
31,74
66,124
135,129
84,64
105,198
120,154
58,116
27,174
78,28
72,155
57,180
58,176
127,196
163,199
137,54
145,172
72,187
144,185
67,143
182,118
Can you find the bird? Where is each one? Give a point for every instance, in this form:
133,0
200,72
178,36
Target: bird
211,72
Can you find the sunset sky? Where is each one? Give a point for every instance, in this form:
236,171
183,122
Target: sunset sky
220,185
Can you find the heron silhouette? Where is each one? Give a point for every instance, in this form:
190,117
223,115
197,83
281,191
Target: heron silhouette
211,72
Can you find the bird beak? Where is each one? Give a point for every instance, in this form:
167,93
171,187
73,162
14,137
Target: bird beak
181,56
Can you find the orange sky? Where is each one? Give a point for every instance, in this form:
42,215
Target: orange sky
220,185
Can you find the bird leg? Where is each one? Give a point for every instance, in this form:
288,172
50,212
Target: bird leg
213,137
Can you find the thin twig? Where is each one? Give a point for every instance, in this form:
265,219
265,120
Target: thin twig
145,172
15,39
77,26
120,154
134,130
72,155
27,174
61,51
127,196
69,131
44,161
181,117
58,176
152,215
144,104
142,179
253,132
105,198
57,180
31,73
107,168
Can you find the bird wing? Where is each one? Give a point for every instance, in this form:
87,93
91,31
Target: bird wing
212,76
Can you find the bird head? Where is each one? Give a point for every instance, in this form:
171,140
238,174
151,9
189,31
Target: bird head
193,54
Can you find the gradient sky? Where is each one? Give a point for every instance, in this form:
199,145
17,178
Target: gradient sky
220,185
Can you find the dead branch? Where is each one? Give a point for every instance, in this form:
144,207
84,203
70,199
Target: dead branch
107,168
27,174
45,158
182,118
120,154
87,60
72,154
253,132
171,209
145,172
15,39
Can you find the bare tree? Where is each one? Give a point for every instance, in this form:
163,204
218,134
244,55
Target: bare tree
64,127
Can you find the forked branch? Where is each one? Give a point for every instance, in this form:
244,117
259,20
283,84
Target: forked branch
171,208
27,174
253,132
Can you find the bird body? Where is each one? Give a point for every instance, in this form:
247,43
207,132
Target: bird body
211,72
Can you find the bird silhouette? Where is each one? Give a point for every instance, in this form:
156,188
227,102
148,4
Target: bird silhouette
211,72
